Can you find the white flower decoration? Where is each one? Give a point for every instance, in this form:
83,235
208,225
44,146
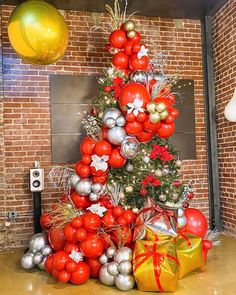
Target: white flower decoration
100,163
76,256
143,52
97,209
135,107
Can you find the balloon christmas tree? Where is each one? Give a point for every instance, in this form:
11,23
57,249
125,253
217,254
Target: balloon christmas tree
124,217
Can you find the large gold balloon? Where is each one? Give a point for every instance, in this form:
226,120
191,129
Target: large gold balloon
38,32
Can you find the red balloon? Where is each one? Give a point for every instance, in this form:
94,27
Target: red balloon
77,222
128,48
165,91
133,91
151,84
108,220
171,98
136,47
136,39
117,38
71,266
107,240
133,128
70,233
102,148
144,136
87,146
104,132
174,113
92,246
151,127
165,101
60,259
69,247
45,220
117,211
129,216
81,234
136,63
130,117
55,273
82,170
56,238
91,222
98,172
166,130
121,220
169,119
86,159
64,276
48,263
100,179
81,275
79,201
196,222
116,160
120,60
141,117
94,266
206,246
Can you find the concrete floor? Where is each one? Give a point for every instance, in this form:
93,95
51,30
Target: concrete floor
218,277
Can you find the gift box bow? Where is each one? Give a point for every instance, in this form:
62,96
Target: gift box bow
158,259
150,214
183,234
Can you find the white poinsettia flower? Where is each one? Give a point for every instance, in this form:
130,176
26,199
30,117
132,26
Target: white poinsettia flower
135,107
143,52
76,256
100,163
97,209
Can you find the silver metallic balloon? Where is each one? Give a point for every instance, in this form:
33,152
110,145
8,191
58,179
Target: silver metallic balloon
124,253
111,113
84,186
46,250
97,187
73,180
182,221
38,258
110,252
180,212
105,277
112,268
27,260
120,121
124,282
41,265
103,259
110,122
139,77
37,242
130,147
125,267
93,197
116,135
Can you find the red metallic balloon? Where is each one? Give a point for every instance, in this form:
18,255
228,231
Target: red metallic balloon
81,274
102,148
92,246
136,39
94,266
56,238
133,128
144,136
116,160
87,145
196,222
120,60
166,130
79,201
136,63
117,38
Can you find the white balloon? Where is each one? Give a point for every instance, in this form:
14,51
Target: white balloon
111,113
105,277
124,253
124,282
125,267
180,212
37,242
38,258
27,260
103,259
116,135
46,250
112,268
110,252
230,109
182,221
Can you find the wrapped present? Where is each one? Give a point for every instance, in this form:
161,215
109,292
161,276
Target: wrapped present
155,223
189,253
155,265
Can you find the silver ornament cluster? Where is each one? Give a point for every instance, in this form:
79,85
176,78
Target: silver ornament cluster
115,121
117,268
130,147
39,249
97,190
139,77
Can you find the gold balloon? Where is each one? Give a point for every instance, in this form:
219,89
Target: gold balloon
131,34
151,106
129,25
160,107
38,32
164,115
154,117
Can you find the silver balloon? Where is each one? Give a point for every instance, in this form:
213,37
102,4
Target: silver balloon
124,253
116,135
105,277
103,259
112,268
110,252
180,212
110,122
125,267
124,282
120,121
111,113
46,250
182,221
27,260
38,258
41,265
97,187
130,147
93,197
139,77
37,242
84,186
73,180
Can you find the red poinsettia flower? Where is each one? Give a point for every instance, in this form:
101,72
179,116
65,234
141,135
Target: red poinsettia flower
161,152
118,81
156,182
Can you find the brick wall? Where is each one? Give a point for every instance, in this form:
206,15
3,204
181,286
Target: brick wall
224,37
26,104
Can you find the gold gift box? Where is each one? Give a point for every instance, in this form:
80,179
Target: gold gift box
155,265
189,253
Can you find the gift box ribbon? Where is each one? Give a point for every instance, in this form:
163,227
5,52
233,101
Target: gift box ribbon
183,235
157,257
